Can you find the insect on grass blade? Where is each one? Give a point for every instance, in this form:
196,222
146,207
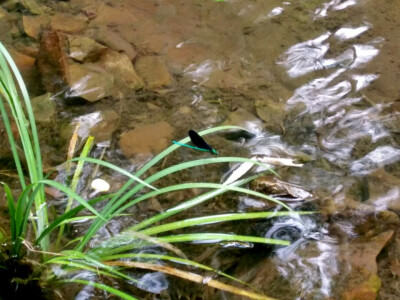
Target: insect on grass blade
199,142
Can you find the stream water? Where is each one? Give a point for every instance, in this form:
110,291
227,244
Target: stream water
315,81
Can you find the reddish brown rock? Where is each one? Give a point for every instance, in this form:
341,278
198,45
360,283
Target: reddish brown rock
52,60
83,68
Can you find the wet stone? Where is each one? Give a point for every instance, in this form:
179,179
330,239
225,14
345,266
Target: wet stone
26,65
81,47
245,119
43,108
272,113
100,124
34,7
114,41
363,282
89,82
33,25
154,72
146,139
119,66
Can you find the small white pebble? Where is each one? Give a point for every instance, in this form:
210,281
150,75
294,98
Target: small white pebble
100,185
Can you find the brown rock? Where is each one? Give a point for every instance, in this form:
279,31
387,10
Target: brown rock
100,72
33,7
88,82
147,139
81,48
68,23
363,282
119,66
154,72
104,129
363,255
147,36
243,118
33,25
101,125
26,65
114,41
52,60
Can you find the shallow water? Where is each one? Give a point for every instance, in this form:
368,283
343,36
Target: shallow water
312,80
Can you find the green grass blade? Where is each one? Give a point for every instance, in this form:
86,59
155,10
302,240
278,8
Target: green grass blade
72,194
11,211
101,286
219,237
83,261
217,219
220,188
115,168
13,145
53,225
202,162
118,199
74,184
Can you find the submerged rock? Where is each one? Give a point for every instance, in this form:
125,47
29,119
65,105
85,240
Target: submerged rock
68,23
89,82
100,124
29,72
119,66
81,47
43,108
146,139
245,119
363,282
114,41
154,72
272,113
